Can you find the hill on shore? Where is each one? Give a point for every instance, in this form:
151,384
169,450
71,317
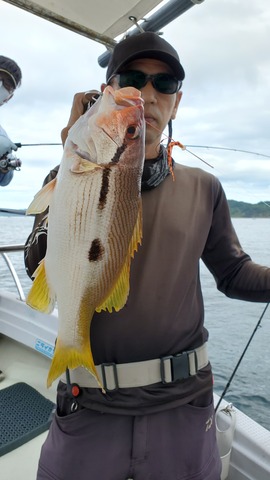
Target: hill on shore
249,210
237,209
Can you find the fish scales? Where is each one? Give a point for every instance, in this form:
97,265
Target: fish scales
97,229
94,224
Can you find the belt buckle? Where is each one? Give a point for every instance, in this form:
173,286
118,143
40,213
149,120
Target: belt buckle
104,378
179,364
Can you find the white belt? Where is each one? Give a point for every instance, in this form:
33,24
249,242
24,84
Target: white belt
139,374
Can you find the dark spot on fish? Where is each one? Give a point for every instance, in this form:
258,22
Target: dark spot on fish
96,251
118,153
104,188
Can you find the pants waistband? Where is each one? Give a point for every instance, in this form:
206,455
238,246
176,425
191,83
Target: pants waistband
166,369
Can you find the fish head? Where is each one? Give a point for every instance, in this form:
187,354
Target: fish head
111,132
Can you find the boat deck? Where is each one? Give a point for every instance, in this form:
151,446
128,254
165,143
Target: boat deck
20,363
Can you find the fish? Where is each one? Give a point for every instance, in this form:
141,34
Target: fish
94,224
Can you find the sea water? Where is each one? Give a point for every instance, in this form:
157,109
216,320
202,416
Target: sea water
230,322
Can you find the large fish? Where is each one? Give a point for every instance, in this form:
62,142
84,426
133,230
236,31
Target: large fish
94,224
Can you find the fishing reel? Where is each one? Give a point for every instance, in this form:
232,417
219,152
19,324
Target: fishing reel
10,162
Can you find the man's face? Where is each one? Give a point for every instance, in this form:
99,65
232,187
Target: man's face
159,108
6,89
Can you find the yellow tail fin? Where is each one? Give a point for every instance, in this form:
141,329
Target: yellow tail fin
70,357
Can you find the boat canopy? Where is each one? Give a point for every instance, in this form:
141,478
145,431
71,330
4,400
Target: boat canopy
104,20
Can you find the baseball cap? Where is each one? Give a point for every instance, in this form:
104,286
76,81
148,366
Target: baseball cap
144,45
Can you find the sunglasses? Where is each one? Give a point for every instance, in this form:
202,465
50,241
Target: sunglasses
162,82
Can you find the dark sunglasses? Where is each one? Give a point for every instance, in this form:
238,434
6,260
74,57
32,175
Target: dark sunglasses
162,82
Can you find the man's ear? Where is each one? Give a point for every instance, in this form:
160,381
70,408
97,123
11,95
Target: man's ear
176,105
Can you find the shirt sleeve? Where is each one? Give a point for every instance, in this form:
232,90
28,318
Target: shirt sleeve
5,178
236,275
36,243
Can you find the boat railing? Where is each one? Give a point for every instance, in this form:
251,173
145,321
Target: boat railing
4,250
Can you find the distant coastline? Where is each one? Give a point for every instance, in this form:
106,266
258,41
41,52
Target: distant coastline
249,210
237,209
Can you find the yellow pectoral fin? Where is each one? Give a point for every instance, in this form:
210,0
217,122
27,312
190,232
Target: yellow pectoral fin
83,166
70,357
42,199
136,239
119,294
40,297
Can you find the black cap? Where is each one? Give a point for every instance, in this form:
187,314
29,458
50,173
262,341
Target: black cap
144,45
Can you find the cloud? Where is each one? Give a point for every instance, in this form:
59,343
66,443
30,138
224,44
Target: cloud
224,48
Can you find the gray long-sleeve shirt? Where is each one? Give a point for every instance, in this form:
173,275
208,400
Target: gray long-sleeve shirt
183,220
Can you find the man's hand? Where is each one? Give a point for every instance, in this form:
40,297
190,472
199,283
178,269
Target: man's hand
6,146
80,104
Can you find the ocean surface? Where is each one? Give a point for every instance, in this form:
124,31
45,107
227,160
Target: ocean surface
230,322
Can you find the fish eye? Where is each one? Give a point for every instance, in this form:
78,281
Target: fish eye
132,132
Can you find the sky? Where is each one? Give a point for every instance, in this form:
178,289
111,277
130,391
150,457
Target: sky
224,48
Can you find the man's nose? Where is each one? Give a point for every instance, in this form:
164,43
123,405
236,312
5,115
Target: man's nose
149,93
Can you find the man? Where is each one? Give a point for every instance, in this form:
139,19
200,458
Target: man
10,79
156,420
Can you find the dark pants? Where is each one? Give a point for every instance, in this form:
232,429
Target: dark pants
177,444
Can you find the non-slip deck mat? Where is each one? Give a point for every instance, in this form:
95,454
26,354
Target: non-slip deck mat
24,414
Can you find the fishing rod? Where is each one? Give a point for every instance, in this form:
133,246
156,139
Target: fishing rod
230,149
241,357
10,162
13,211
19,145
